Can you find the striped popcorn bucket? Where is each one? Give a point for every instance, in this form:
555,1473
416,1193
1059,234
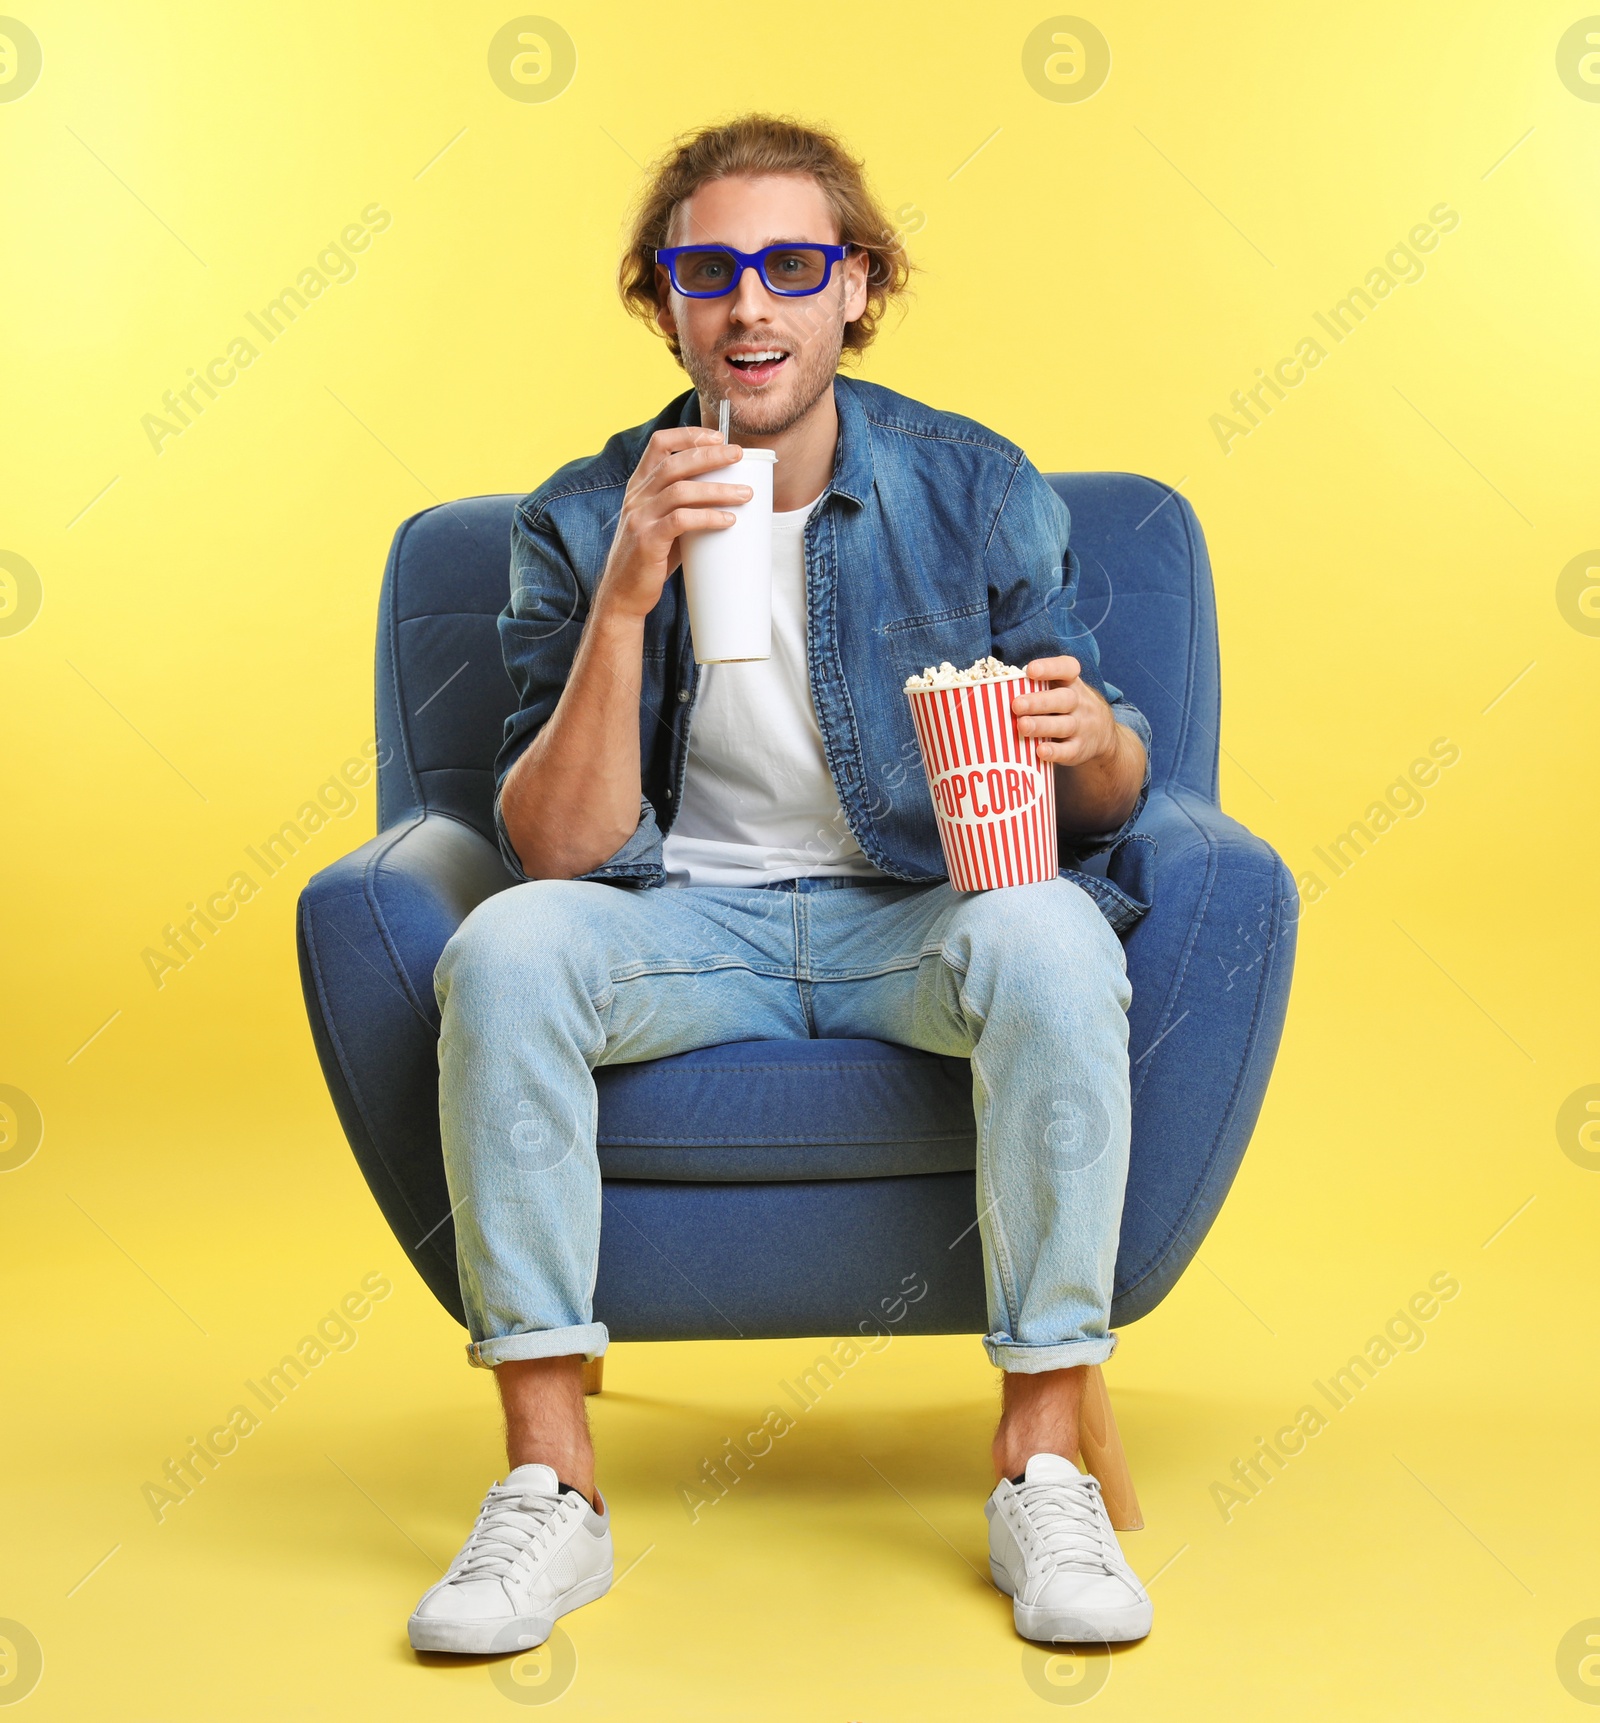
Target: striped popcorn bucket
994,799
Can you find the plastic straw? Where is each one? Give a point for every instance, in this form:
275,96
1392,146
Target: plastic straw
724,411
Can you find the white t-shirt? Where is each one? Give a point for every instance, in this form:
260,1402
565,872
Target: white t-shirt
758,799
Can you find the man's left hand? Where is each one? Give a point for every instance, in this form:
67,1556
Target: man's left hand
1072,721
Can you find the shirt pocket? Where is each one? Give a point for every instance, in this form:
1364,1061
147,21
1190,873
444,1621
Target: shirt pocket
959,634
935,618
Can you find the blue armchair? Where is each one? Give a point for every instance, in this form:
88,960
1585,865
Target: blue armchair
776,1188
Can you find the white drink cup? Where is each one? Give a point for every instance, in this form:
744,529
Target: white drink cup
727,571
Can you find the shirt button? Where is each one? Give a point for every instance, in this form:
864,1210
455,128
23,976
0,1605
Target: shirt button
683,695
668,792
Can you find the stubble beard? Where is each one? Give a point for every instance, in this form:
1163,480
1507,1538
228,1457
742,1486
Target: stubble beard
757,413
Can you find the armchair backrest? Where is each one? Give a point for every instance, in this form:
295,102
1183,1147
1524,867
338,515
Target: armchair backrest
443,695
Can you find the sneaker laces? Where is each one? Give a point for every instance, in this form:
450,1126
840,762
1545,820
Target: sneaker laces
1066,1523
510,1524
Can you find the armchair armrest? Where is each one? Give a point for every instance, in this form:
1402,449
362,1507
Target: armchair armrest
1210,965
370,929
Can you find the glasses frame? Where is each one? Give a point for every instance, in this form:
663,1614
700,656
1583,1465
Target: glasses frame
668,256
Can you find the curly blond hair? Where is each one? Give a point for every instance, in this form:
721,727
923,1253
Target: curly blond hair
752,145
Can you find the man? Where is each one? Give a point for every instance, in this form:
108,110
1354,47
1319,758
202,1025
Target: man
903,537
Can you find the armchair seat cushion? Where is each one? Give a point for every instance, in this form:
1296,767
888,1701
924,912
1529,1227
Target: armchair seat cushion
752,1111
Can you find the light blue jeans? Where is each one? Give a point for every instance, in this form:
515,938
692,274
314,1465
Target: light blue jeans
547,980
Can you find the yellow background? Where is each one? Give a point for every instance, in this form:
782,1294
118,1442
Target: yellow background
1095,282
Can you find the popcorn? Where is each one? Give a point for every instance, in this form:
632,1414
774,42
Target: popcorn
993,797
947,676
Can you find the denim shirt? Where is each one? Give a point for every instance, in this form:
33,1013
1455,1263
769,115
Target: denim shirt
935,540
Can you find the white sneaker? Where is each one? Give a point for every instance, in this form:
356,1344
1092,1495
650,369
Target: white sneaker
536,1552
1052,1550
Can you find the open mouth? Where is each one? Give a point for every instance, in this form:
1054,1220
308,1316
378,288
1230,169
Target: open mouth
757,365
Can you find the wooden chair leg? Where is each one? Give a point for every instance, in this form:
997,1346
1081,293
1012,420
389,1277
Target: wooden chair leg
593,1372
1100,1448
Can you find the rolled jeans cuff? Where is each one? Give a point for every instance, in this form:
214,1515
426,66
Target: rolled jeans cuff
1011,1356
589,1338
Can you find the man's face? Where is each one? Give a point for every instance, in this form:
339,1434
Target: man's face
722,339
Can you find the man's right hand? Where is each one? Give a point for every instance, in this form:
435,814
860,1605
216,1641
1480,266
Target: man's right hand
666,498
